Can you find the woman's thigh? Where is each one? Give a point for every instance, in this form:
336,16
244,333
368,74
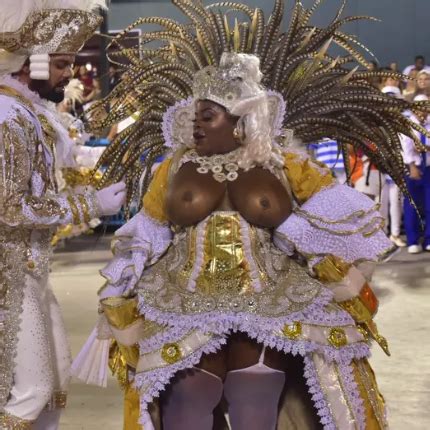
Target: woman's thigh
239,353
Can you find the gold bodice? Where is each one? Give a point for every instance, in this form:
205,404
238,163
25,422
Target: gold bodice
225,264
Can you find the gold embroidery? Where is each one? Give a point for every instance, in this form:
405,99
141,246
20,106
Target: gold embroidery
373,399
85,208
42,29
45,207
9,422
74,209
286,287
11,92
58,400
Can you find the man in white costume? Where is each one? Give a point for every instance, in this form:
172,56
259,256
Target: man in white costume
38,40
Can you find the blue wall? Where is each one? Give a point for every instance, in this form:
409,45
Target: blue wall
403,32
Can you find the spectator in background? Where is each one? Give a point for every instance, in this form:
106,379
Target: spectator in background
391,198
419,64
423,83
365,177
411,86
394,67
418,183
327,152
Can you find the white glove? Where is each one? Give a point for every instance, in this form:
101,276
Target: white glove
110,199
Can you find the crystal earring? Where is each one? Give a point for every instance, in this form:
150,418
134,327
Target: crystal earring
237,134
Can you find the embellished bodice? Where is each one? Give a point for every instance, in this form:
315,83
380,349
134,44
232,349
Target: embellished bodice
226,264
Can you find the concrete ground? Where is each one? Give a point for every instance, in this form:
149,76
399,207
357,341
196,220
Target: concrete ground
403,286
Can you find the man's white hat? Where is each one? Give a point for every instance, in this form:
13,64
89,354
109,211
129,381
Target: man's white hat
36,28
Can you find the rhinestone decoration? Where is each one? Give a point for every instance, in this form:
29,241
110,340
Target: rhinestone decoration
171,353
337,337
292,331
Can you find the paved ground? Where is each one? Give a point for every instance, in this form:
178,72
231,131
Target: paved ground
403,286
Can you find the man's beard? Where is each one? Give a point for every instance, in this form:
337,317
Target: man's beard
46,91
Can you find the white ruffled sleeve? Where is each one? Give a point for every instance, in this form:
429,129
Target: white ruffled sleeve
337,221
136,245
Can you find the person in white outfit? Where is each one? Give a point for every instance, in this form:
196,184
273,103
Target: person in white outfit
419,64
392,199
36,57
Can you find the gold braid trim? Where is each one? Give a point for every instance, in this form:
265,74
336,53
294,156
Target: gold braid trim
75,210
10,422
85,208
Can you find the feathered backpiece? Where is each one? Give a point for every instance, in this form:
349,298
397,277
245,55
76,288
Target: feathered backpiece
41,27
325,97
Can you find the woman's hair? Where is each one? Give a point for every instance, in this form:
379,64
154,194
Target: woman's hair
257,130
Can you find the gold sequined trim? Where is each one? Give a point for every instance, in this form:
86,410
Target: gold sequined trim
58,400
75,210
367,379
10,422
41,28
11,92
85,208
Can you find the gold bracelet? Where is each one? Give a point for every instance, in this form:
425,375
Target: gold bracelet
75,211
85,208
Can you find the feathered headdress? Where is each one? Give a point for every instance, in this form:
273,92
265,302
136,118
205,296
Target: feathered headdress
324,96
36,28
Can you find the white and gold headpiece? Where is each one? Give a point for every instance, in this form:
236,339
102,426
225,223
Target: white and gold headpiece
36,28
236,81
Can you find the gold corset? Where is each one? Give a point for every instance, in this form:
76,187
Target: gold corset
225,264
225,267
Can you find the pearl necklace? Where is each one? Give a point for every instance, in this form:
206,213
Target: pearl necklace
224,167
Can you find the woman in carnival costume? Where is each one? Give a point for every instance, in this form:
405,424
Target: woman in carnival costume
243,280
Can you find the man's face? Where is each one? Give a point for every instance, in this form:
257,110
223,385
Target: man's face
419,64
60,73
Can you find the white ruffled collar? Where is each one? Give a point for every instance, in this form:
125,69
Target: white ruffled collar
23,89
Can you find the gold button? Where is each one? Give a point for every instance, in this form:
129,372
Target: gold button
293,330
31,264
171,353
337,337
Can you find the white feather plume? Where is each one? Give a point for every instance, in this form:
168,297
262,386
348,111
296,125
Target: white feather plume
74,91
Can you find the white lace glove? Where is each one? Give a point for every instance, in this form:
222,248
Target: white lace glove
110,199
